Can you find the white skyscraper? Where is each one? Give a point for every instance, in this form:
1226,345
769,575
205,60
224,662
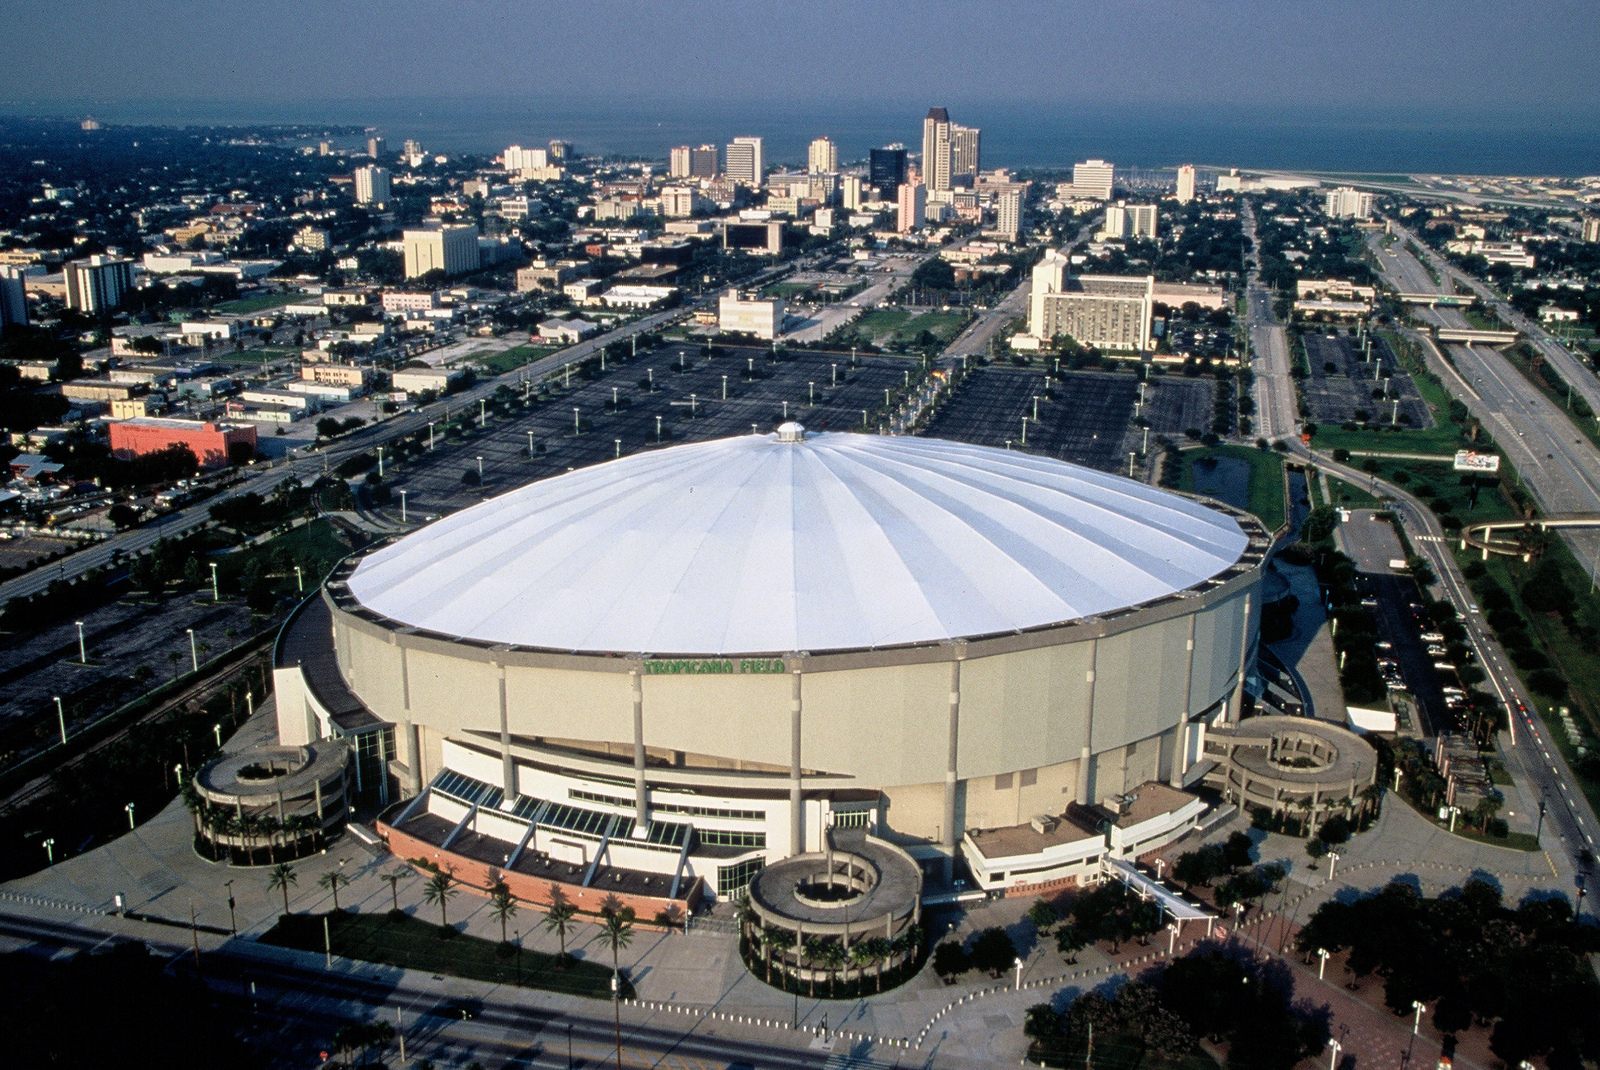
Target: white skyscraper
852,192
822,158
1347,203
936,149
1130,221
742,160
1093,178
1186,183
913,207
97,285
964,154
680,162
1008,214
372,185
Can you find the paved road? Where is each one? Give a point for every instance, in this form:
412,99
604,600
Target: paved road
1559,466
1532,759
264,477
1572,369
1277,412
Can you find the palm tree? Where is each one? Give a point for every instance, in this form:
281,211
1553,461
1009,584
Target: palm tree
281,877
617,931
558,917
270,827
864,953
332,880
440,889
834,956
394,877
502,906
778,941
765,935
811,953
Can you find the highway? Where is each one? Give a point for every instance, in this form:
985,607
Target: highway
1558,465
1532,759
1572,369
1277,411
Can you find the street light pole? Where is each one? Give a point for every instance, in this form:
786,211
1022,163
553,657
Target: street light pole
1017,963
1322,966
129,809
215,595
299,573
616,1011
1334,1048
61,719
480,469
1333,860
194,651
50,851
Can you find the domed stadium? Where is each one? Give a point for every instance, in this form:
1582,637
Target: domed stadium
648,678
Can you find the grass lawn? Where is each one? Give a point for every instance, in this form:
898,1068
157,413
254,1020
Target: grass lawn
1447,492
1266,478
413,944
879,322
789,290
1350,495
260,302
942,325
316,547
511,359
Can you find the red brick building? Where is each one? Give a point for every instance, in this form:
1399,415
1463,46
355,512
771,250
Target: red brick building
209,442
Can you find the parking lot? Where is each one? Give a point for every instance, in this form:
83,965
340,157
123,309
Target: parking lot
1088,421
1175,404
1340,387
672,394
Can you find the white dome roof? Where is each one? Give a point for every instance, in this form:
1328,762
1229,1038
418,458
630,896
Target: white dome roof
793,541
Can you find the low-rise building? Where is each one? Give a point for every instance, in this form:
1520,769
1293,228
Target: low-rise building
637,296
418,379
748,313
566,331
211,443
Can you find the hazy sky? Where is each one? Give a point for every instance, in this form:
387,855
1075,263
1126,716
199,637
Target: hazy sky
1533,57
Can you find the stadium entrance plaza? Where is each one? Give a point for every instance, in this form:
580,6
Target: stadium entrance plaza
157,870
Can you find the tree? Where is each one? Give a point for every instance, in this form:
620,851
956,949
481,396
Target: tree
1070,941
440,889
994,951
502,906
833,958
558,917
779,942
617,932
950,960
281,877
394,877
811,954
1043,916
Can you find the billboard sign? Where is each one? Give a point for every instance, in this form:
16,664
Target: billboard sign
1472,461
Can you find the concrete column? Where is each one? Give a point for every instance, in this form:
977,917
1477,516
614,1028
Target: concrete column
1180,749
508,768
1236,703
641,804
414,756
1085,755
952,754
796,814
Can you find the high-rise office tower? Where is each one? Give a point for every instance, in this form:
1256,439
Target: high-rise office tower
742,160
852,192
1093,178
452,249
13,299
372,185
97,285
1008,214
913,206
823,157
963,154
936,149
375,147
678,161
886,170
1186,183
703,162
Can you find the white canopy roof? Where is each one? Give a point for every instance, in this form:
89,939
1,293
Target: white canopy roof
796,542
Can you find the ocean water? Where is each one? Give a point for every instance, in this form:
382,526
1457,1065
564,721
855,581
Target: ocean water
1014,134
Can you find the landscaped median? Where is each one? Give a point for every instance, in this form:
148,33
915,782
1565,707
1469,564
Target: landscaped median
397,939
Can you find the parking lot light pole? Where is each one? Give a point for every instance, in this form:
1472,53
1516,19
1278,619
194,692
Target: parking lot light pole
129,809
194,651
299,573
215,594
50,851
380,462
658,429
1333,860
61,719
480,469
483,411
577,426
216,730
83,649
430,433
618,443
402,515
1323,954
724,388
